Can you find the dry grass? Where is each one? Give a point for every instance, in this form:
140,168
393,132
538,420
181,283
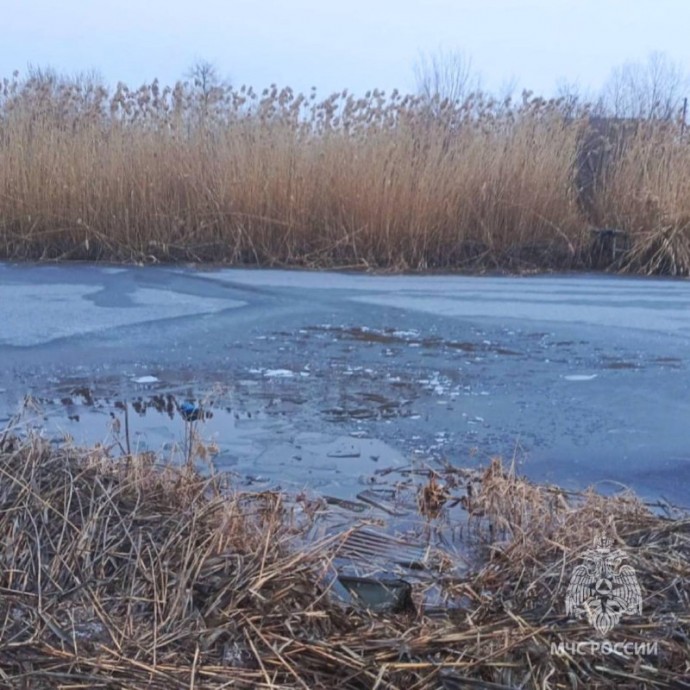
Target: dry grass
159,174
278,178
121,573
647,193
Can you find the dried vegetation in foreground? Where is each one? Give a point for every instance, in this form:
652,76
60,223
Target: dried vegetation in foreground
122,573
280,178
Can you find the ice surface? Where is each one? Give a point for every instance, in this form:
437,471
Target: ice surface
36,314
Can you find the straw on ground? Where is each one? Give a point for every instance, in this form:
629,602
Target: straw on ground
126,573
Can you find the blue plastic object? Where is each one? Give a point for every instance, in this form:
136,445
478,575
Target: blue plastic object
190,411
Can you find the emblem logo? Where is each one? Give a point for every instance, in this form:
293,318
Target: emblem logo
602,589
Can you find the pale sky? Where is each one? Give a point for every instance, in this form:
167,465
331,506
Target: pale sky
354,44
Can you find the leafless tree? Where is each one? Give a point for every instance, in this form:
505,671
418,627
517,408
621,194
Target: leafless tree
207,86
652,90
445,75
203,76
572,100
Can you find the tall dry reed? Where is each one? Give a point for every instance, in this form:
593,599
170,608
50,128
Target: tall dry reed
647,192
276,177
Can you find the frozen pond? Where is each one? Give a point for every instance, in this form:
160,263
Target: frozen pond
334,381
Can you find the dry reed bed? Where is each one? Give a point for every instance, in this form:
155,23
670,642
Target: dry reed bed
122,573
383,181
